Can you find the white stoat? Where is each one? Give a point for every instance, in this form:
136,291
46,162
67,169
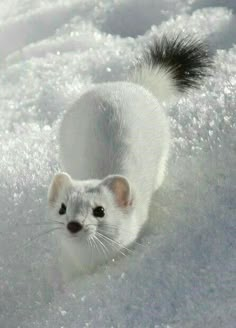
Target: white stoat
114,145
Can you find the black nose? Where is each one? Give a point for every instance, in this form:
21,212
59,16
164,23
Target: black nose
74,226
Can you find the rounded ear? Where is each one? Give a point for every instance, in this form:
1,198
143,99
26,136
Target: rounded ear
120,187
60,181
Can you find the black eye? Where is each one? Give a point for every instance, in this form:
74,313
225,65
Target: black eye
62,210
98,212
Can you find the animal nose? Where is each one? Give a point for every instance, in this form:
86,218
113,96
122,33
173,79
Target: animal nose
74,226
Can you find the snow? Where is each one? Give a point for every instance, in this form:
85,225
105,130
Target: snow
183,273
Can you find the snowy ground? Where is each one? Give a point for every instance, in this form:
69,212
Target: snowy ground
184,274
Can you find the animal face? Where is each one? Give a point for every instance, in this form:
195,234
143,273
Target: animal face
92,213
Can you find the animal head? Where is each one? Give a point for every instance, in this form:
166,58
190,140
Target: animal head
90,209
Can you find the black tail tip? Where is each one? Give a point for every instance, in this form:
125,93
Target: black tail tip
186,58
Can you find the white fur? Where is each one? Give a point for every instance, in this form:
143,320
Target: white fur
158,80
114,128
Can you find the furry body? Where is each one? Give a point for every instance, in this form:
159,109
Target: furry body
114,144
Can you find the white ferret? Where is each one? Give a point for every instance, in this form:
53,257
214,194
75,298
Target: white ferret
114,145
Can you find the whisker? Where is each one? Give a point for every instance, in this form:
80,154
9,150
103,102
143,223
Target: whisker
133,242
116,227
102,246
96,246
108,238
43,234
59,222
110,226
117,249
41,223
112,243
120,244
91,249
34,238
126,231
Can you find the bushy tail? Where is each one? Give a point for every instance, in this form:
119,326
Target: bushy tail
172,66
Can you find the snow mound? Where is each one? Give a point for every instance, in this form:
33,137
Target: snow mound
183,273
